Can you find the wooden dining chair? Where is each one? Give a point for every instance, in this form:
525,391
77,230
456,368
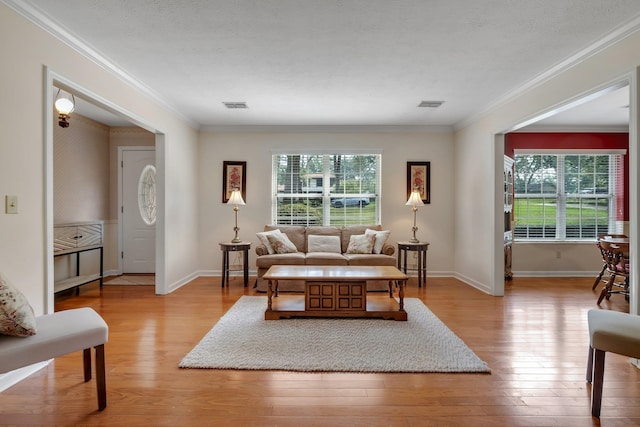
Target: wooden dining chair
604,262
616,260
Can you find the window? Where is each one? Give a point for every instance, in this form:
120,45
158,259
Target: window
326,189
566,196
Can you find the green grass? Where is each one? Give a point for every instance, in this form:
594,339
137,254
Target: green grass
354,215
535,212
339,216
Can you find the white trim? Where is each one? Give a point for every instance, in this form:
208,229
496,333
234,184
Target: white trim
600,45
563,273
534,128
474,283
121,150
567,104
328,129
47,119
556,151
52,78
13,377
326,151
41,20
634,200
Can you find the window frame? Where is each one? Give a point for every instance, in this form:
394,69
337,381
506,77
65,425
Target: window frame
351,215
614,192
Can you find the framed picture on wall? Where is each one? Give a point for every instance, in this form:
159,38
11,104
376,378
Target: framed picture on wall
234,177
419,177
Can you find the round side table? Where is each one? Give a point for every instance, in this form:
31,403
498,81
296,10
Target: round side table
421,247
227,247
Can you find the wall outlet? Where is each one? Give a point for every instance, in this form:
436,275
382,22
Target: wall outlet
11,204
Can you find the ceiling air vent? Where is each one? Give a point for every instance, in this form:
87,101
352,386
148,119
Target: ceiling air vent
430,104
235,104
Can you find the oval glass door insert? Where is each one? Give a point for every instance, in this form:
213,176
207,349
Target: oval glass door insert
147,194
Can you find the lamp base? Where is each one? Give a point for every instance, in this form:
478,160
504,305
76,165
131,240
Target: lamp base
236,240
413,240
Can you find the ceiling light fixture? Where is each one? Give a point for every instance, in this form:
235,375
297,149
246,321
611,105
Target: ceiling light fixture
65,103
430,104
234,105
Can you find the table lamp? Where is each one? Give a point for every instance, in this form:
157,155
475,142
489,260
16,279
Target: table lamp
414,200
236,199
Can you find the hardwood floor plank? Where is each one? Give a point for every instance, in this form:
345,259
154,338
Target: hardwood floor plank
534,339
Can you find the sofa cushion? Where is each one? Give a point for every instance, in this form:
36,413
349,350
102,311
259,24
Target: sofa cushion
351,230
325,258
381,238
361,244
266,261
319,243
295,233
262,236
281,243
370,259
322,230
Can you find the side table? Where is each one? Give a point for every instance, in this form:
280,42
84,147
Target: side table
421,248
227,247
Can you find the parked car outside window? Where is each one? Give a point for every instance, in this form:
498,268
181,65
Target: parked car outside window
351,201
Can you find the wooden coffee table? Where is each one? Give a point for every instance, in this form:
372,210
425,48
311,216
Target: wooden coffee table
335,291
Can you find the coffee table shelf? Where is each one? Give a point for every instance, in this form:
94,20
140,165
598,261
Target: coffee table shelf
335,291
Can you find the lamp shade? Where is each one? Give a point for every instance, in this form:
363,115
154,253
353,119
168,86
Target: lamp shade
414,199
65,103
235,198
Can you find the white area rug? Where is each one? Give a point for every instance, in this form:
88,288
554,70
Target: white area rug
242,339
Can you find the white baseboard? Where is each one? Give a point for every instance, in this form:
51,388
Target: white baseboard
14,377
555,273
473,283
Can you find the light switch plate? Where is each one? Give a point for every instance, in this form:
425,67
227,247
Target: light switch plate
11,204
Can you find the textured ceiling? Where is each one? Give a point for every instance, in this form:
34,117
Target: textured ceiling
334,62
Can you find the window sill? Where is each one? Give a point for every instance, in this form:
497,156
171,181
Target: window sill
554,242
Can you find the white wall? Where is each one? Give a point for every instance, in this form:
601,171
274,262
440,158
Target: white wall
434,221
23,248
478,159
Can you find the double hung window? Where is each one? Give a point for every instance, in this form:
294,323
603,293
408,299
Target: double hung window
566,196
326,189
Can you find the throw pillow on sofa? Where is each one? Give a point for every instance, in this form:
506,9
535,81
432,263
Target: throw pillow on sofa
262,236
318,243
381,238
16,315
361,244
281,244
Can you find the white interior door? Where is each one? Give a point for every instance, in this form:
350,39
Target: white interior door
138,211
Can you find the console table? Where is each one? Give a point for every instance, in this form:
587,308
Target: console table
227,247
421,248
74,239
335,291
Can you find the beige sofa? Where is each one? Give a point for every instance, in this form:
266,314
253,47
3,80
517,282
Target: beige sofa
299,236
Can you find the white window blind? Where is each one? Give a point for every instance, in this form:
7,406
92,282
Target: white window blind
567,196
325,189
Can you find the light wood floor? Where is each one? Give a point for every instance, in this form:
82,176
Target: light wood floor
534,339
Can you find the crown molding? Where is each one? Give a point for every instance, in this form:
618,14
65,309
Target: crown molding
572,129
42,21
598,46
327,129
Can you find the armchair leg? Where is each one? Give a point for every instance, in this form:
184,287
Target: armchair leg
86,363
590,365
598,378
101,383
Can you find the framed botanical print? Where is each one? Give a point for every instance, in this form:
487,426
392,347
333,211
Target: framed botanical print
234,177
419,177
